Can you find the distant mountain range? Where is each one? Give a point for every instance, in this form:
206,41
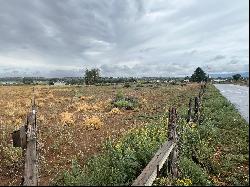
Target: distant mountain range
225,75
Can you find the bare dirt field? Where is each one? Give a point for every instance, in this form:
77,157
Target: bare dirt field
74,121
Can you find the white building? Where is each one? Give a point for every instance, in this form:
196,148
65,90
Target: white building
59,83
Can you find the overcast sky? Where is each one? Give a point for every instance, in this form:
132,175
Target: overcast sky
123,37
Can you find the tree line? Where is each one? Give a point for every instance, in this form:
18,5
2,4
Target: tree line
92,76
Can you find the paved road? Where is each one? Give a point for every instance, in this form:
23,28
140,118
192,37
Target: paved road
237,95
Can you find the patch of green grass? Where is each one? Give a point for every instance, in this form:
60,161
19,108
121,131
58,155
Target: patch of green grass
121,162
123,102
194,172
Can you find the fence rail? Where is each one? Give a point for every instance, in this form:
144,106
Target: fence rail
151,171
169,150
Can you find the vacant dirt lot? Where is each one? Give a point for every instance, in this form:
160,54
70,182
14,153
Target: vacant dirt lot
74,121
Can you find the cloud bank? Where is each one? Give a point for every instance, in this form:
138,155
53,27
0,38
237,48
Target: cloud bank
123,37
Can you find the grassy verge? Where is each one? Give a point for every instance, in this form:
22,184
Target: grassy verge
226,135
216,152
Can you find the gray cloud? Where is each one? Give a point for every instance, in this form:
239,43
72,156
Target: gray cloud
123,37
217,58
234,61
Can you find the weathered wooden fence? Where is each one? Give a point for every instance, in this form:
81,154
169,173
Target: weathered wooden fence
169,150
26,138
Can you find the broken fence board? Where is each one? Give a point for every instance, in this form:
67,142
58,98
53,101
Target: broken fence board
148,175
19,138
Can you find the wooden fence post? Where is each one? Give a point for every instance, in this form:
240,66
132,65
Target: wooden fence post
30,168
202,91
196,109
172,136
200,94
26,138
167,152
189,118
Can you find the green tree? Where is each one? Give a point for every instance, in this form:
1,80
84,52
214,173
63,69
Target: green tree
237,77
92,76
198,76
28,80
51,82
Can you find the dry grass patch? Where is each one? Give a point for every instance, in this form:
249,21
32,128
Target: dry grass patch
93,122
115,111
67,118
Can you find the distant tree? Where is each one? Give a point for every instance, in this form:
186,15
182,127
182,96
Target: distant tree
28,80
237,77
198,76
92,76
51,82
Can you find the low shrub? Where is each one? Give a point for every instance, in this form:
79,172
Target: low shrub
139,85
121,162
127,85
192,171
122,102
73,177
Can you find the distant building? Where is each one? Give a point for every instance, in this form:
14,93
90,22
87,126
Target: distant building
41,82
219,80
59,83
8,83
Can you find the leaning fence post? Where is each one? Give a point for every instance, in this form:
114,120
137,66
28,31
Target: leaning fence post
172,136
